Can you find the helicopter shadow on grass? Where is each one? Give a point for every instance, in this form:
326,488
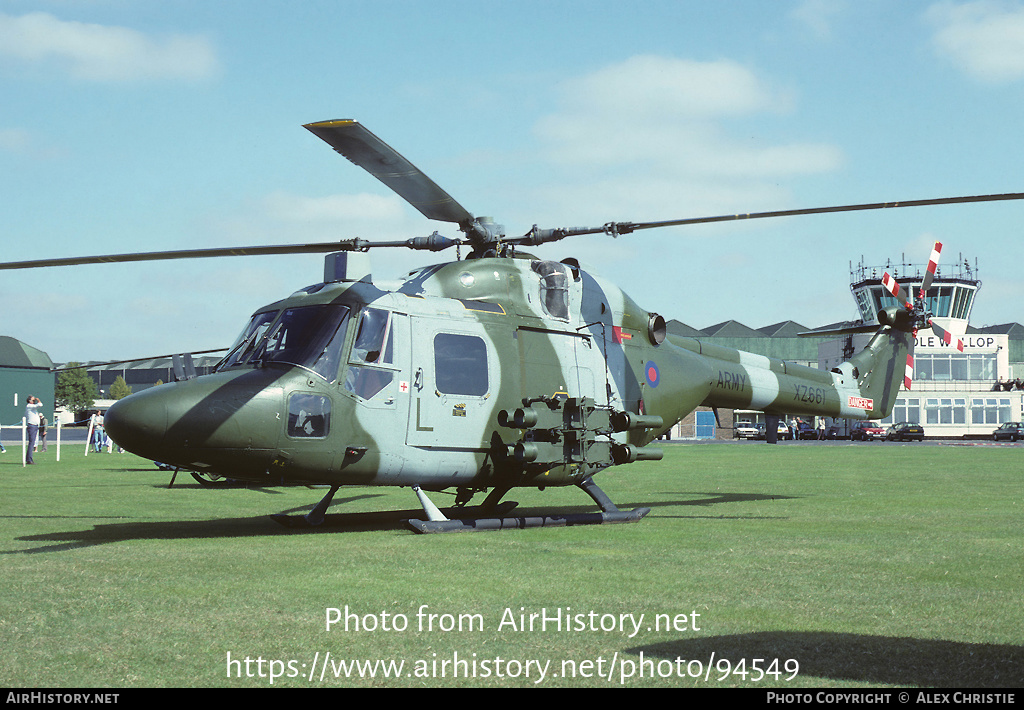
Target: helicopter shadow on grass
858,658
708,500
255,526
371,521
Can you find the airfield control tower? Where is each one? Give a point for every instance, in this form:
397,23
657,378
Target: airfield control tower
953,393
949,298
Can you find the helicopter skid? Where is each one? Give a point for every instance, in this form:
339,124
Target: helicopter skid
540,521
609,514
355,519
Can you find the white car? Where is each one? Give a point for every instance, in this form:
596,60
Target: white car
746,430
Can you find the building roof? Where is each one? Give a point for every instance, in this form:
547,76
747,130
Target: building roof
677,328
1014,330
785,329
732,329
14,353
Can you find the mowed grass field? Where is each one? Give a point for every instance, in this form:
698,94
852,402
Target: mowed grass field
857,565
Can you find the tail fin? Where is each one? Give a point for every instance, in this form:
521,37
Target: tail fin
882,366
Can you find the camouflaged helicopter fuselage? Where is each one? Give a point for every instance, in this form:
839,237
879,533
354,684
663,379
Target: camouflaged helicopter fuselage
413,377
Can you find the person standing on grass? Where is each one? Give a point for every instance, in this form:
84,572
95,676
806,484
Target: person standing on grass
98,436
32,417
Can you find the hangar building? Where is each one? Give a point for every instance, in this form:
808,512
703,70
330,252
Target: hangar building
24,370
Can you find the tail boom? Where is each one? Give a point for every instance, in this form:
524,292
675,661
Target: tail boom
863,388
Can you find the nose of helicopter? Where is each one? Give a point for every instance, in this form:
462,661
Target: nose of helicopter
227,422
137,423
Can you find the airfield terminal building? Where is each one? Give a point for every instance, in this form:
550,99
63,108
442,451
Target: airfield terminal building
953,394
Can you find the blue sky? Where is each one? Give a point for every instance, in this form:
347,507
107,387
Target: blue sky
141,126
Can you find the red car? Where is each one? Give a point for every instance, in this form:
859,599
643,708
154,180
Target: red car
866,431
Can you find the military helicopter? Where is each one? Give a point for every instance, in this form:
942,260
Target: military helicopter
484,374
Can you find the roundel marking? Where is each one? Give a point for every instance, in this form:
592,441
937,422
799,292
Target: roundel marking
653,375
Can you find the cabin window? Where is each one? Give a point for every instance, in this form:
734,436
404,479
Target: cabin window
309,416
460,364
554,288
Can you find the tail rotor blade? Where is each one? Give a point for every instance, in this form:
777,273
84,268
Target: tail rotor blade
946,336
908,375
893,287
933,263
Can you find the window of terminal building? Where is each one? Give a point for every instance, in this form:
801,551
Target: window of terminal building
954,367
991,410
905,410
945,410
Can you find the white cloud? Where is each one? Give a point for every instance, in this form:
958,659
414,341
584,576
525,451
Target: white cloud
337,210
659,129
818,16
657,87
985,39
105,53
18,141
15,140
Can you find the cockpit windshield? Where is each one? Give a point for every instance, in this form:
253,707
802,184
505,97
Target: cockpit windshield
308,336
251,335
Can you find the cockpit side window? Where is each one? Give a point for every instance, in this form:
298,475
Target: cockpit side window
373,348
374,326
330,359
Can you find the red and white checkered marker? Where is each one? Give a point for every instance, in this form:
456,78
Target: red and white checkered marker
893,287
908,375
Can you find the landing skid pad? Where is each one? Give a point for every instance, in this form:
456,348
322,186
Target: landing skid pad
541,521
609,514
305,521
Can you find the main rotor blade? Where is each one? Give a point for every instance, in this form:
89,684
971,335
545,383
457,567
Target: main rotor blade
90,365
435,242
321,248
824,210
542,236
369,152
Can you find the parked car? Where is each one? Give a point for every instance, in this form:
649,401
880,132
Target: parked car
806,431
905,431
866,431
746,430
784,432
1011,431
